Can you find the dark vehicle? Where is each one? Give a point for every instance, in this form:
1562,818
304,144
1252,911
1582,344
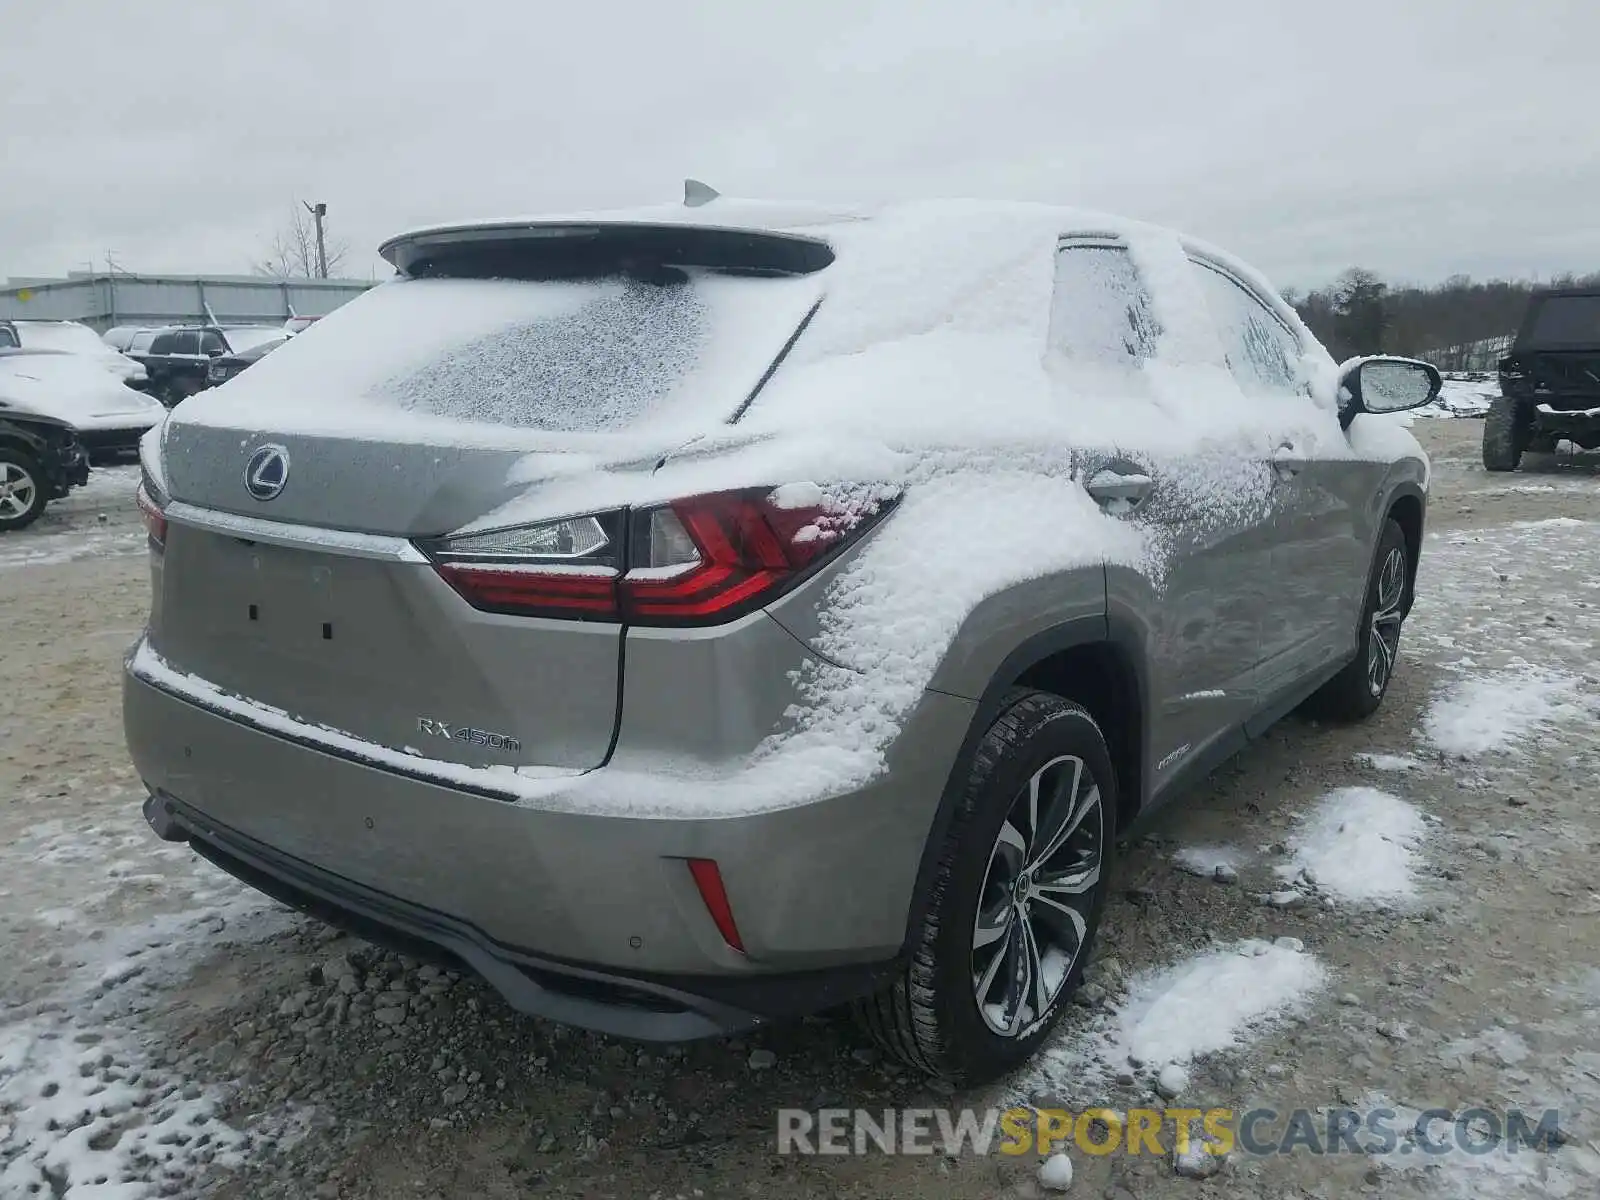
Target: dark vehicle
225,368
1550,382
40,460
179,358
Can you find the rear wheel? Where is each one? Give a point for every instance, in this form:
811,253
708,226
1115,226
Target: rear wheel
1355,692
1505,435
21,489
1016,899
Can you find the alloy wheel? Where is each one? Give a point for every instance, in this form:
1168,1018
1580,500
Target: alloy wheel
1384,642
17,491
1038,892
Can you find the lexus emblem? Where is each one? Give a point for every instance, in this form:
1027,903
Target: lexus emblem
267,472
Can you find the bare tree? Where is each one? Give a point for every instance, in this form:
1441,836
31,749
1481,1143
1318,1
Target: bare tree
292,253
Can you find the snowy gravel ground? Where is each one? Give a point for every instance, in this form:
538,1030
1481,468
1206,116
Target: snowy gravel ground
1400,913
97,520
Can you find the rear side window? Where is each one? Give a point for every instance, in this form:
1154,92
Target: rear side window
1261,351
1100,310
7,338
185,343
1565,321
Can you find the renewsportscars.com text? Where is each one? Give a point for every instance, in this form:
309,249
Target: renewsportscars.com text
1098,1131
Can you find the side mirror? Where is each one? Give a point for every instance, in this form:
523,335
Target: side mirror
213,351
1385,385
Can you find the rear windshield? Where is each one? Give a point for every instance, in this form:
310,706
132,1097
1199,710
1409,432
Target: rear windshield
576,354
1565,321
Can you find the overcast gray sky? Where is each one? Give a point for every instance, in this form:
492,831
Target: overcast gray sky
1416,137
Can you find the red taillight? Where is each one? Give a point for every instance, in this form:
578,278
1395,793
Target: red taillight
696,561
155,521
729,552
708,878
531,591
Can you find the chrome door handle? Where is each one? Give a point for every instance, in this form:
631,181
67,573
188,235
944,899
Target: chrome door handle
1123,490
1286,461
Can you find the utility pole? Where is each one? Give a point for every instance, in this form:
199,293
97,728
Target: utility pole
318,212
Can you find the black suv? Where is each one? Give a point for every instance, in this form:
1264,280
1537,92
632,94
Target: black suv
40,460
1550,382
179,358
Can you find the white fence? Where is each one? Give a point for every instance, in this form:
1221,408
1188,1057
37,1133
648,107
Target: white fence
101,301
1484,355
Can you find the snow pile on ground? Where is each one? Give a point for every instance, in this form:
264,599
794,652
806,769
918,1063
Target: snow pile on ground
1202,1005
1204,860
1482,714
1210,1002
1389,762
1357,845
1465,394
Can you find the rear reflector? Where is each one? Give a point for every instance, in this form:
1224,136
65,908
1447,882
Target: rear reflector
708,878
702,560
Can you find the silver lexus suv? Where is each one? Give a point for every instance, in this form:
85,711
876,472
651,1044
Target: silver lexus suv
692,618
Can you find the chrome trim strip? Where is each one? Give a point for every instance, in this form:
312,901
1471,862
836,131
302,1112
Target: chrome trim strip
298,537
145,665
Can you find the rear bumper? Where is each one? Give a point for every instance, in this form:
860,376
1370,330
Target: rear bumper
653,1007
1552,419
821,892
65,465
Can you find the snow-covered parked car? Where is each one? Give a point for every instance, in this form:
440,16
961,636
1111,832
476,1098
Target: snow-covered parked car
73,337
695,617
108,417
120,337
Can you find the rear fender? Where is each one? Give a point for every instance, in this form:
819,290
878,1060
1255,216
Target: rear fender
1084,630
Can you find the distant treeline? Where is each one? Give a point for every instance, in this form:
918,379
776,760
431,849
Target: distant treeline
1359,313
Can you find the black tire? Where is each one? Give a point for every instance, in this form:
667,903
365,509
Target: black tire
1506,431
22,496
930,1018
1356,692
